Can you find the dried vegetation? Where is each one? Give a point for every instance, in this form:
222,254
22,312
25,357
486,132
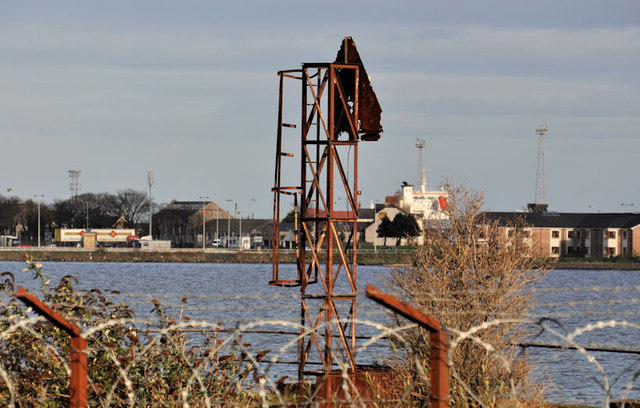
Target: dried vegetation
472,276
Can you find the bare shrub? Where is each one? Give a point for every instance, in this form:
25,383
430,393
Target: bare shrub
472,276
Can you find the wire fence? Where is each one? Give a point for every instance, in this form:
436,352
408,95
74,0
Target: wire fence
160,349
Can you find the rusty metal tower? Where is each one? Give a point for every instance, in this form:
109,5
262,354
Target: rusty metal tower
338,108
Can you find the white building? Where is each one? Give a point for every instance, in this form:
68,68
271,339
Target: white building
371,231
423,205
426,205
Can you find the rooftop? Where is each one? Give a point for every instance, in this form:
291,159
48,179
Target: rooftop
571,220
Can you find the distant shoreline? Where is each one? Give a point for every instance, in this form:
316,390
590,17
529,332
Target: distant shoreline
597,265
178,255
385,258
134,255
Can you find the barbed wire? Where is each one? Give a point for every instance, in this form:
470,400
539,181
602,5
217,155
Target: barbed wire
444,296
140,302
295,295
261,386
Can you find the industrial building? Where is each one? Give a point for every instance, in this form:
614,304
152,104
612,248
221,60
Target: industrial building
181,222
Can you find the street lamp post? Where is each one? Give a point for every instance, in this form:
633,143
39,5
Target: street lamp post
204,219
235,213
240,230
228,226
151,178
38,202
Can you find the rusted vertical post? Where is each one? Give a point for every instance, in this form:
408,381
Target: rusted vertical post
304,241
439,369
356,204
79,372
329,316
275,238
78,346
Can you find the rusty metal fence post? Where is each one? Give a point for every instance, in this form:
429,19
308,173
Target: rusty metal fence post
439,344
79,368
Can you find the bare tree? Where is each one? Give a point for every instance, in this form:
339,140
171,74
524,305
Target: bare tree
103,209
132,205
100,208
9,210
471,272
28,221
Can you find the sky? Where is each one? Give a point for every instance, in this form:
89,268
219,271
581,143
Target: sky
188,89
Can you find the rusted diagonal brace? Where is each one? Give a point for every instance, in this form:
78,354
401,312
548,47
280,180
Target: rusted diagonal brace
79,368
439,343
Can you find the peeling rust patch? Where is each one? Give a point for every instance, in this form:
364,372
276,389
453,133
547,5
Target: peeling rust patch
369,110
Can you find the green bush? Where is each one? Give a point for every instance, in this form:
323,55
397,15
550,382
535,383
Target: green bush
131,362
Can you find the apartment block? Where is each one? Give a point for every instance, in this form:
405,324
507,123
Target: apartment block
591,235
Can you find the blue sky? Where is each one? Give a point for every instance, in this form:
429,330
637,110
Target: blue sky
188,89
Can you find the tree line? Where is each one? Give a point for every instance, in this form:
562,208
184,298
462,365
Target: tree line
96,210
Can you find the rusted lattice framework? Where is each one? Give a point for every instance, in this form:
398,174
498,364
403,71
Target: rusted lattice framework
338,108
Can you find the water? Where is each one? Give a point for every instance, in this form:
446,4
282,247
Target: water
598,309
235,294
227,293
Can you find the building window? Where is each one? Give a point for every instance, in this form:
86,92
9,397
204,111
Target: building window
555,234
570,234
624,234
587,234
576,234
527,234
555,250
611,251
611,234
570,250
624,250
510,233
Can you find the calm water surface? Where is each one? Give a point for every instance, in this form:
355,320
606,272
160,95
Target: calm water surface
567,300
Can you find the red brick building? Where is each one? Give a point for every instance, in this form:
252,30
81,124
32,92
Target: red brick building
591,235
